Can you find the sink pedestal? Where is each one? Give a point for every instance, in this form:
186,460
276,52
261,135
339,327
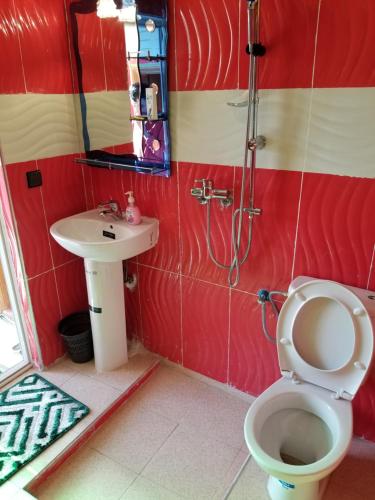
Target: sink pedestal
105,288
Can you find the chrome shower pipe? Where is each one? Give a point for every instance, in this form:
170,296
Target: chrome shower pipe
254,49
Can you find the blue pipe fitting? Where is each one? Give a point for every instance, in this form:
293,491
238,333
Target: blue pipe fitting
263,296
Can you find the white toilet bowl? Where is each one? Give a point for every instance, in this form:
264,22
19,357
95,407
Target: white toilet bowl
299,430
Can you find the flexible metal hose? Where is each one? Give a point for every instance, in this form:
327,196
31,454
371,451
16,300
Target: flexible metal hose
263,304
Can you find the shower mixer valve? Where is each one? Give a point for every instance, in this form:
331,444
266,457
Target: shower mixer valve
206,192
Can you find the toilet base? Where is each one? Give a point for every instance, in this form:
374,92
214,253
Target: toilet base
282,490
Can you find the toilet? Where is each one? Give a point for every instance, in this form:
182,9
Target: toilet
299,429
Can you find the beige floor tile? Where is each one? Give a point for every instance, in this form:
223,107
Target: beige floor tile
251,484
124,377
355,475
96,395
169,393
143,489
230,477
88,475
132,436
191,464
218,414
59,373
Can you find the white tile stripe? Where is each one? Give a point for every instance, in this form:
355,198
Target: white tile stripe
342,127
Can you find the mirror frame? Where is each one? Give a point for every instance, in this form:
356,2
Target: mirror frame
104,159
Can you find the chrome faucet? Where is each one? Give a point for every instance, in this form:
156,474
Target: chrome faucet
207,192
112,208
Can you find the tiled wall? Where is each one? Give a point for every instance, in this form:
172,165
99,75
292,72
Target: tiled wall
38,131
315,181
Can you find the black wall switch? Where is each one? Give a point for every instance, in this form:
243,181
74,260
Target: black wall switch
34,178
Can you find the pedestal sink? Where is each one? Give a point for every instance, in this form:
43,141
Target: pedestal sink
104,243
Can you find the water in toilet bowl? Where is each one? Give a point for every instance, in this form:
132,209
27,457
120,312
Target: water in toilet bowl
296,437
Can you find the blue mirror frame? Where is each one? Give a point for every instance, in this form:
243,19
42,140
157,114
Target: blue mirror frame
147,76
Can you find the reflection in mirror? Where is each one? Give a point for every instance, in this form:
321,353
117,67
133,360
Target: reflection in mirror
120,54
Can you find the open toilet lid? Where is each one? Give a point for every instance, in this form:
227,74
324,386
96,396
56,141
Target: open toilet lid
325,336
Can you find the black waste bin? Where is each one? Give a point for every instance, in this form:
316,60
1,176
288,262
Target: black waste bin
75,331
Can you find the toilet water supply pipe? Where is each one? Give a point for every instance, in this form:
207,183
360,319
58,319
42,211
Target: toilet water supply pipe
265,296
254,49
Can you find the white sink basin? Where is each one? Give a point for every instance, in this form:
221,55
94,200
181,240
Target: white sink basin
104,243
103,239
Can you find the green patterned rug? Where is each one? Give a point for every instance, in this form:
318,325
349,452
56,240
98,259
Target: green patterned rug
33,414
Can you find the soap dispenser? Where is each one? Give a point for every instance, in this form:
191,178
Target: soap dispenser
132,212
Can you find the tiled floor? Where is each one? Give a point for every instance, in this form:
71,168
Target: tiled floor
98,391
179,438
176,438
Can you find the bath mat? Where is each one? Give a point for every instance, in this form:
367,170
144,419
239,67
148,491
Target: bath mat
33,414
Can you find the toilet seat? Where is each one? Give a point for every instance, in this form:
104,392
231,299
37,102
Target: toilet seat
325,337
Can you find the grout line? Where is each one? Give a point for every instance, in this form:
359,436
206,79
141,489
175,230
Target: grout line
371,268
182,275
50,247
52,269
180,262
19,46
308,128
229,331
160,447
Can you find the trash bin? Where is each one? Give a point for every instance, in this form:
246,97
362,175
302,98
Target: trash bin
75,331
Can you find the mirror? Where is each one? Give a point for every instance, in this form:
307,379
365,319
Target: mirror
119,52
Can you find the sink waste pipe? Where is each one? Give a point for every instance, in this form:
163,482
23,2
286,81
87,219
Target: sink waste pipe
252,142
266,297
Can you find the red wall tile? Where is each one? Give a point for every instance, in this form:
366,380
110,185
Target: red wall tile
160,309
269,264
335,233
44,45
157,197
11,79
63,195
46,309
253,364
345,52
30,217
207,44
195,261
287,29
371,285
205,328
71,286
109,185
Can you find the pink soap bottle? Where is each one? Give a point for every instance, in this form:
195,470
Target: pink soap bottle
132,212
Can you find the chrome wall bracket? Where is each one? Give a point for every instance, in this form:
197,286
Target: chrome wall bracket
206,192
259,142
